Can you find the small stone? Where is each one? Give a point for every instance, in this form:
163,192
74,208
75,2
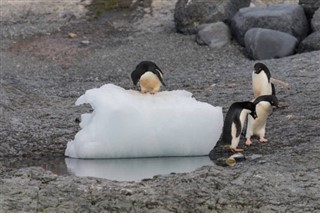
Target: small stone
85,42
126,192
72,35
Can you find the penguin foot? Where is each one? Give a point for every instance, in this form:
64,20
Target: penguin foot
248,142
235,149
263,140
153,92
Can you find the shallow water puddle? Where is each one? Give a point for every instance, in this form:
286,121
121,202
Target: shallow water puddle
134,169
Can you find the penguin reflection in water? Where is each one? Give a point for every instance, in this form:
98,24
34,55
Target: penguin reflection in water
264,107
149,76
234,122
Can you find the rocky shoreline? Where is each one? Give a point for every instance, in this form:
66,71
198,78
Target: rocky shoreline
39,86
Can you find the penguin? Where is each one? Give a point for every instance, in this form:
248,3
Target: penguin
234,122
264,107
149,76
261,81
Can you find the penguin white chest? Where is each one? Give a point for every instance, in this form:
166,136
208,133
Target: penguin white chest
261,85
243,116
263,109
149,82
235,138
257,126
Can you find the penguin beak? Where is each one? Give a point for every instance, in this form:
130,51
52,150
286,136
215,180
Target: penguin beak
254,114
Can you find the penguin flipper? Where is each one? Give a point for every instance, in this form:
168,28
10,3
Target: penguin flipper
237,122
159,75
273,89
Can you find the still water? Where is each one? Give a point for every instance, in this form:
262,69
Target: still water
115,169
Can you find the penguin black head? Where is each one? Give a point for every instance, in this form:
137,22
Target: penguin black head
143,67
272,99
258,67
250,106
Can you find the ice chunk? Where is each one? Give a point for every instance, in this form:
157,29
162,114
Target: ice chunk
128,124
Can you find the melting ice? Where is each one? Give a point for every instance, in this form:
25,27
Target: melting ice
128,124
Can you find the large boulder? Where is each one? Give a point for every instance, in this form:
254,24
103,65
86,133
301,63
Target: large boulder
189,14
266,44
215,35
288,18
311,43
309,6
315,22
268,2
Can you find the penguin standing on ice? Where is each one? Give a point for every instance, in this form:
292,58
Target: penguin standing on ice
149,76
234,122
261,81
264,105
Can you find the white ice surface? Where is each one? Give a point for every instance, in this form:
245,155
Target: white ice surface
128,124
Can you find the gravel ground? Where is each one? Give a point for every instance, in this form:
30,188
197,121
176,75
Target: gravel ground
43,75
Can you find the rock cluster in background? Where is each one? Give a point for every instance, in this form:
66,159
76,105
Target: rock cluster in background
312,41
309,6
189,14
285,20
266,31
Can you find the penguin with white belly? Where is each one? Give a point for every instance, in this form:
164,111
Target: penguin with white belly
264,107
149,76
234,122
261,81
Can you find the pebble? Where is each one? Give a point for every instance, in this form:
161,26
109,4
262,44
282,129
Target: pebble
85,42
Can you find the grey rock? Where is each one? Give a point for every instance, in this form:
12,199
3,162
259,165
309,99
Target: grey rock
311,43
214,35
315,22
309,6
288,18
189,14
266,44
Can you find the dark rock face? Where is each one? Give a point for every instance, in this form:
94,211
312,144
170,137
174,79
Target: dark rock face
266,44
189,14
315,22
288,18
309,6
214,35
311,43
